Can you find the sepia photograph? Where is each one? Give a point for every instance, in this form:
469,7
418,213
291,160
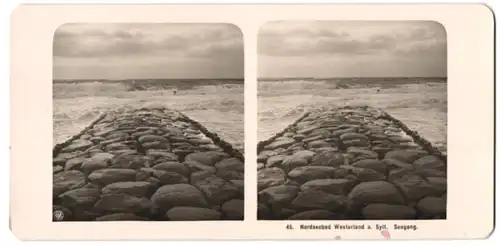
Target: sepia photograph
148,122
352,120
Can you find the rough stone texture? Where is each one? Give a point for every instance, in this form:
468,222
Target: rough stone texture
147,164
350,163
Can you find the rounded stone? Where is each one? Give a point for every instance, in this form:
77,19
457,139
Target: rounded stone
264,155
56,169
332,186
217,190
304,154
80,197
388,212
93,164
281,194
162,155
268,177
431,206
200,175
230,164
415,187
374,192
259,166
195,166
130,161
234,209
62,158
360,143
293,162
229,175
121,217
307,173
328,158
166,177
173,166
208,158
373,164
353,136
428,162
318,144
184,213
263,212
339,133
316,214
316,199
74,163
408,156
169,196
122,203
439,183
359,154
367,175
151,138
133,188
67,180
393,163
280,143
79,145
275,160
239,183
111,175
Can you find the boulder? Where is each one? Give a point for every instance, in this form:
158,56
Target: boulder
388,212
269,177
67,180
169,196
184,213
367,193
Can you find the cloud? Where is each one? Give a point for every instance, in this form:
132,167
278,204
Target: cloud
352,48
102,43
335,40
114,51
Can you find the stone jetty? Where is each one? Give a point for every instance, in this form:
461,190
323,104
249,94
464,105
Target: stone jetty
147,164
350,163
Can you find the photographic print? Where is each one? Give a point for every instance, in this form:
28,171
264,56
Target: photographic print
148,122
352,120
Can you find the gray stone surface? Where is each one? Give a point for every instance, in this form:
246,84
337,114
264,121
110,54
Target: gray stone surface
147,164
350,163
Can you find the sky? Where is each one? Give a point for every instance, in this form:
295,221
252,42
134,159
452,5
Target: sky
352,49
147,51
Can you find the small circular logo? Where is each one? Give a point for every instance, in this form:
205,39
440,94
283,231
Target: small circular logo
59,215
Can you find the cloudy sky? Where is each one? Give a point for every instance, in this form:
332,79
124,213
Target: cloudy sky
124,51
351,49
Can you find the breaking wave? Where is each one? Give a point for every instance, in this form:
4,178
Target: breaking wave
419,103
217,103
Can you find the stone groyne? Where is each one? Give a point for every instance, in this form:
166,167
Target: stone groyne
350,163
147,164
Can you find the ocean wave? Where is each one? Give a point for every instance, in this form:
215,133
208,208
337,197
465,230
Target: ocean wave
78,104
108,88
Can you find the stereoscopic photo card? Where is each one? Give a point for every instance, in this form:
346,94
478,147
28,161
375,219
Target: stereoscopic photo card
335,122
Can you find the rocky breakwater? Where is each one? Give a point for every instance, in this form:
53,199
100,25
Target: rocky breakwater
347,164
147,164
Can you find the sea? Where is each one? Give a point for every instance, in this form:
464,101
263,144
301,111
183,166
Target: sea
420,103
215,103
